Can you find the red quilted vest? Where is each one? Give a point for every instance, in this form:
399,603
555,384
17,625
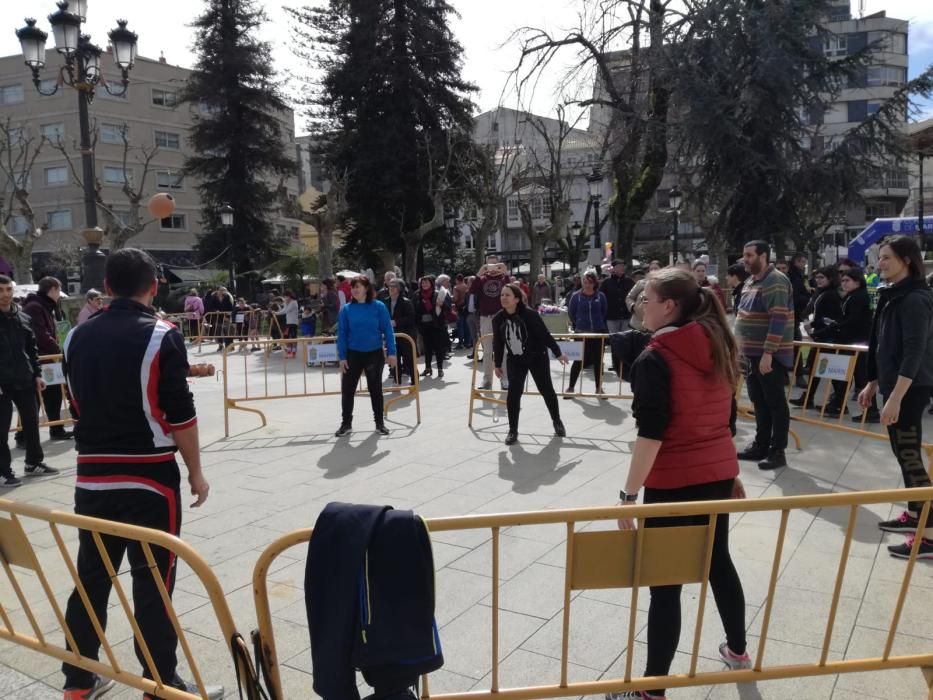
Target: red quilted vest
697,447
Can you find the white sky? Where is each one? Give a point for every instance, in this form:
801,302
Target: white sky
483,29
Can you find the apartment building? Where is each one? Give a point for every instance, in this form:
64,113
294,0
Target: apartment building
150,117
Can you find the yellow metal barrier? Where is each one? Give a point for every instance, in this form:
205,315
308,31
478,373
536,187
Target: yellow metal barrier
51,365
32,605
478,393
290,385
253,325
830,363
602,559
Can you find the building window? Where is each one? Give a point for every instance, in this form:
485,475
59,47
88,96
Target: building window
879,210
492,242
53,132
541,208
22,181
471,213
836,45
175,222
18,225
170,180
874,106
56,176
164,98
11,94
104,95
59,220
16,135
888,42
467,242
887,76
837,113
114,133
168,139
122,215
513,214
116,175
208,109
858,110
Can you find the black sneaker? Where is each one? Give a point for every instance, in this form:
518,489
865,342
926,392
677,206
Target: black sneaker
62,435
799,402
511,438
343,429
559,429
902,551
774,460
873,417
40,469
753,452
100,688
905,522
20,443
10,481
214,692
382,429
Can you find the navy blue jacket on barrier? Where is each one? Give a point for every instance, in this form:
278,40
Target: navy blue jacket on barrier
369,591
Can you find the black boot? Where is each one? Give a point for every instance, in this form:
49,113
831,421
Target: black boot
381,427
344,428
799,401
753,452
512,437
774,460
873,416
559,429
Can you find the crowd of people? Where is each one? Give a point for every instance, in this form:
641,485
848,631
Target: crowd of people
670,335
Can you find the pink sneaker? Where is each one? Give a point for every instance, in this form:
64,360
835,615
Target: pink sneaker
734,661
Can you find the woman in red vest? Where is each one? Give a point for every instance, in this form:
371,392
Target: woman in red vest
683,383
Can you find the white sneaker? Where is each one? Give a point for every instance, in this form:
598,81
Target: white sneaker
733,660
634,695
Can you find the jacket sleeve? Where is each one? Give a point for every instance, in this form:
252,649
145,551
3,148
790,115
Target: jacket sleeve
541,331
852,314
343,333
651,382
498,342
778,303
29,338
871,365
632,297
175,398
572,309
916,314
43,329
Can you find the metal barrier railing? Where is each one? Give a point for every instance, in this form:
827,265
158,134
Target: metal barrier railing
601,559
53,375
835,367
275,383
36,593
251,325
490,395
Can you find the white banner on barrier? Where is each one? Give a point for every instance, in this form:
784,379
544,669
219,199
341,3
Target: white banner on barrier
834,366
322,352
53,373
572,349
239,318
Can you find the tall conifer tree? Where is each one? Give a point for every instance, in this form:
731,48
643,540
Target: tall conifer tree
239,147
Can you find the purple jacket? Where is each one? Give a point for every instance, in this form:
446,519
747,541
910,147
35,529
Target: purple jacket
41,310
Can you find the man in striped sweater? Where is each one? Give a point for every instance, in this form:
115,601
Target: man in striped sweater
764,330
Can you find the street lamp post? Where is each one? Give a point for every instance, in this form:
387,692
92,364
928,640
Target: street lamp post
676,199
595,181
82,72
226,220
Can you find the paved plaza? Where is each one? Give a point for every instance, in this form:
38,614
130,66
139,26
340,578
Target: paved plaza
269,481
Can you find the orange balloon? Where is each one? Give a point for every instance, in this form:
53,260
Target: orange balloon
161,205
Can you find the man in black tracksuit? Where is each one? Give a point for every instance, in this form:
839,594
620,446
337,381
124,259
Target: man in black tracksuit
616,287
127,372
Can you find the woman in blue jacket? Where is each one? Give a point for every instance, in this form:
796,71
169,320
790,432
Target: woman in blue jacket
587,312
362,327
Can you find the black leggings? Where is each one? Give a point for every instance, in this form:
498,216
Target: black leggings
517,370
906,438
433,343
370,363
592,357
664,609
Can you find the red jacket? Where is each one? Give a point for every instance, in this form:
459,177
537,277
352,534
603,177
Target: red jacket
41,311
697,447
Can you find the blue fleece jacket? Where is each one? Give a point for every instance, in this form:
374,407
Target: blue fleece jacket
362,327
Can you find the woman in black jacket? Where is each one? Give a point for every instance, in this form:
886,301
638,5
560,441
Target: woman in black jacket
854,328
520,334
429,311
827,310
900,365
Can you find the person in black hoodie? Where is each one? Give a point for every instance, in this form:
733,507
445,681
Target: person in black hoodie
520,337
402,314
854,328
616,287
900,366
827,309
796,273
42,309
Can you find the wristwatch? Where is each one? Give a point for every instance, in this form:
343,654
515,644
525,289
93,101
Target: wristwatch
628,497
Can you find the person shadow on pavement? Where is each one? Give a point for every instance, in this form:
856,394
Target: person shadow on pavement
345,457
529,470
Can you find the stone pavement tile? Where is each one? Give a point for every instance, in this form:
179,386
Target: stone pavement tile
296,684
522,669
470,468
598,633
779,654
827,537
681,664
877,611
444,681
799,617
749,541
11,680
892,570
449,504
36,691
552,534
842,694
226,545
537,591
892,684
457,592
514,555
27,661
467,640
444,553
815,570
424,489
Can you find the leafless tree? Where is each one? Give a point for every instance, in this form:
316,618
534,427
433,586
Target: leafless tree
633,90
18,153
328,216
116,232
